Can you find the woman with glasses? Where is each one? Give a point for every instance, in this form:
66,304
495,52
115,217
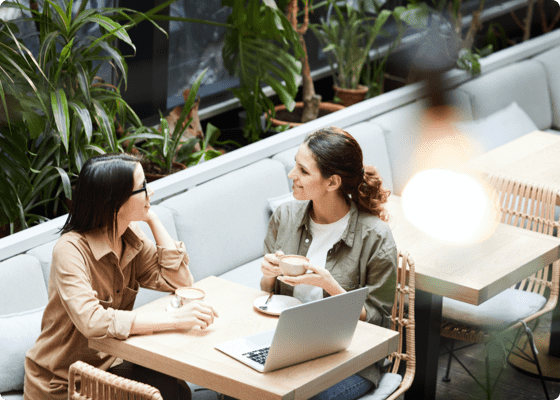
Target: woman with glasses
100,261
340,225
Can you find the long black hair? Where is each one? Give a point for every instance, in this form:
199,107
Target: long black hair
338,153
105,183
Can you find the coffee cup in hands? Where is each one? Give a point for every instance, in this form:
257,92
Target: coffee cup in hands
293,265
188,294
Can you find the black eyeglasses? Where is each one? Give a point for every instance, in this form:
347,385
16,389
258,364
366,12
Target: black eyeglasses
143,189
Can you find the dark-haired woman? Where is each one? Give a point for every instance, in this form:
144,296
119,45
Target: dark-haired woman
99,263
341,228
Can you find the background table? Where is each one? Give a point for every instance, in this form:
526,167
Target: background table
191,355
534,157
470,273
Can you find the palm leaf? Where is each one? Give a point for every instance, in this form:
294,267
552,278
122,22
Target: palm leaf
61,116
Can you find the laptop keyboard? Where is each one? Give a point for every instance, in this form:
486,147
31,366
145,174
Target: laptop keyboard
258,355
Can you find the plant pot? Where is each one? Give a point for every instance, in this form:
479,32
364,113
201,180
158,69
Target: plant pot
285,117
350,96
153,172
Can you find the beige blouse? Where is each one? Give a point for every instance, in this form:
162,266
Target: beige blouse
90,296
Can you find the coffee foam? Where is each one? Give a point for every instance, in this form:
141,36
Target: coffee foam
294,260
190,293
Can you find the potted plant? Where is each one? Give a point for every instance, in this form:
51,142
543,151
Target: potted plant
349,33
311,107
163,150
55,111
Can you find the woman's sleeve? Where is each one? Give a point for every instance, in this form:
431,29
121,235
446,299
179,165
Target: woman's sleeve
381,280
272,232
162,269
74,286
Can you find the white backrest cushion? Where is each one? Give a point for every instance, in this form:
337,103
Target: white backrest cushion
18,333
223,222
499,128
166,217
550,60
21,285
43,253
401,128
524,82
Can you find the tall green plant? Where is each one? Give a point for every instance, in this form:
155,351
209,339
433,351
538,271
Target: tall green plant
261,47
55,112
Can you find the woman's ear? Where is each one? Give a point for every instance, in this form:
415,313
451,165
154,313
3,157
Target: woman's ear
335,181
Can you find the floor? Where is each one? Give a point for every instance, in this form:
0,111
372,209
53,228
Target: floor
513,385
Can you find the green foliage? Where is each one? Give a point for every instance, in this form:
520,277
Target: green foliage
55,112
162,148
468,59
258,49
350,33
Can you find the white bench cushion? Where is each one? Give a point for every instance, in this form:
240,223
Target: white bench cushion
550,60
499,128
499,312
18,333
223,222
524,82
248,274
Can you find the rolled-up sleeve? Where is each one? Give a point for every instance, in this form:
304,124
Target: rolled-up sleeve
160,268
95,318
381,279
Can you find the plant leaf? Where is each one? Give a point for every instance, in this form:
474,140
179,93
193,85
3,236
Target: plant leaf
62,118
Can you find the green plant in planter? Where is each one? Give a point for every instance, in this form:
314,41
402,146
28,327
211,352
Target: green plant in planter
258,49
163,148
349,33
55,112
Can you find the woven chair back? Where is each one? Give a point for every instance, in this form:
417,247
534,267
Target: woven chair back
402,320
530,207
96,384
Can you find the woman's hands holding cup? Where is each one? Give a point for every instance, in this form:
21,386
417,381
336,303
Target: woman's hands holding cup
320,277
195,313
270,265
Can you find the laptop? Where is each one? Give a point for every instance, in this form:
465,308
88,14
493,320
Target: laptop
304,332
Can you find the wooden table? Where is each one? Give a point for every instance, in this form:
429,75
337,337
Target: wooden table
534,157
191,355
471,273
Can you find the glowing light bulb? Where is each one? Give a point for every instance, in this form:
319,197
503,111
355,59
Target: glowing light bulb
450,206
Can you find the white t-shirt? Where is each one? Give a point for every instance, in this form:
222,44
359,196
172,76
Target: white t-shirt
324,238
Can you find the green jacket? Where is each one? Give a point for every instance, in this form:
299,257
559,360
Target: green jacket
365,255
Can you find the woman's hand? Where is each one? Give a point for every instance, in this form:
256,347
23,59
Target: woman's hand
195,313
269,265
320,277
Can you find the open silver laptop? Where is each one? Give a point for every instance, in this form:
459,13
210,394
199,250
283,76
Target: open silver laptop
304,332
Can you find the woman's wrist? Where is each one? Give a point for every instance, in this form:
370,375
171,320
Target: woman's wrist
333,287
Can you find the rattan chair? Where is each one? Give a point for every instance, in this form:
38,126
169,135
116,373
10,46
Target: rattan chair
530,207
96,384
402,321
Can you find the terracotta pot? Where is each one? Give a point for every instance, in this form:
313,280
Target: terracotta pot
351,96
151,175
324,109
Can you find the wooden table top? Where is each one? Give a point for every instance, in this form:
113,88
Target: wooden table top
191,355
476,272
532,157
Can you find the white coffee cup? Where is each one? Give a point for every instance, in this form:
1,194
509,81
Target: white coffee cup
293,265
188,294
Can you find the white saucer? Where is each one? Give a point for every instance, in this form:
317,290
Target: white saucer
276,305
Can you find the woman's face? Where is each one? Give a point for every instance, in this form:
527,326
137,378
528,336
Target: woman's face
308,184
137,206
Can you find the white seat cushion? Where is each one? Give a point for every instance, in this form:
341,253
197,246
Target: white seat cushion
388,383
497,313
248,274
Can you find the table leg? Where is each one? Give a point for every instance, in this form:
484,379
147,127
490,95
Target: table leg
428,325
554,343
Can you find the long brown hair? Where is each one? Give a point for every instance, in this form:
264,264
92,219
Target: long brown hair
338,153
